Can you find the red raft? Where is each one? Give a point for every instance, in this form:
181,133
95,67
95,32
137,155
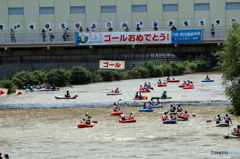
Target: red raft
116,113
162,85
145,91
180,85
143,98
85,125
127,121
173,80
188,87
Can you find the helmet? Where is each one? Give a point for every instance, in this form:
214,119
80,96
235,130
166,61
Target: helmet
136,92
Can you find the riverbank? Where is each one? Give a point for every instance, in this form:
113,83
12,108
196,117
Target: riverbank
94,95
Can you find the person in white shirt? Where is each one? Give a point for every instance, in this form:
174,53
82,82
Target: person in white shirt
122,116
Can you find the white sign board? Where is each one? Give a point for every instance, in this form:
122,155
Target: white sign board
106,64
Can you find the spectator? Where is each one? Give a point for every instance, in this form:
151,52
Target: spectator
126,29
173,28
87,30
155,28
64,34
138,28
43,35
80,30
213,31
110,29
12,32
51,35
67,33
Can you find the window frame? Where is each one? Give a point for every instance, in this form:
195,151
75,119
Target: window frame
139,11
202,3
76,8
170,10
102,7
46,13
232,3
15,8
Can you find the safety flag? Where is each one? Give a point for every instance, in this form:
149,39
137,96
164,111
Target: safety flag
3,91
20,93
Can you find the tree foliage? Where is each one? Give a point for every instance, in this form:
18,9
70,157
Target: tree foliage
229,64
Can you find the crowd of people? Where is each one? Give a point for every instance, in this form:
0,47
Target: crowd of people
39,86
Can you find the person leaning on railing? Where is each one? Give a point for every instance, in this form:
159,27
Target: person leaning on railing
51,35
155,28
12,32
126,29
213,31
81,29
110,29
43,35
138,28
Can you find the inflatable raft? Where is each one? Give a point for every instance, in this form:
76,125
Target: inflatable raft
116,113
146,110
85,125
145,91
143,98
158,106
188,87
127,121
222,124
160,98
63,97
211,80
173,80
230,136
162,85
34,90
109,93
169,121
180,85
182,119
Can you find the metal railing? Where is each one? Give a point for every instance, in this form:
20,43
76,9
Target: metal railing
59,36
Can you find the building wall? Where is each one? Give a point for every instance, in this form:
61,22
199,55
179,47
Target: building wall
123,13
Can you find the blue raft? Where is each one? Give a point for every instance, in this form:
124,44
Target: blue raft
169,121
211,80
146,110
158,106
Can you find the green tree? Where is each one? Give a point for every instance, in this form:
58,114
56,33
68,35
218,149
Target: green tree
59,77
80,75
229,64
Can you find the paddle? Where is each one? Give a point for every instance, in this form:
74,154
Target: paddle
194,115
94,121
208,121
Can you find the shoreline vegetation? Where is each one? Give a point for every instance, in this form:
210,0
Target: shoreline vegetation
79,75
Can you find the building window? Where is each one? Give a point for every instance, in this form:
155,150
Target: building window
15,11
46,10
108,9
170,7
77,9
201,6
232,5
139,8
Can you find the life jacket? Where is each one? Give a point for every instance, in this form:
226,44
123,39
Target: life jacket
141,88
173,117
190,84
116,91
130,116
179,114
185,85
238,131
226,118
146,87
185,115
217,119
111,91
164,117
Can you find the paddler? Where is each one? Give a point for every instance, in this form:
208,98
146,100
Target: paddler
179,114
172,109
173,78
168,78
145,84
146,88
164,95
140,95
191,83
67,94
116,108
144,105
217,119
122,116
207,78
159,82
116,90
185,115
227,119
173,116
158,102
164,116
87,117
165,82
136,95
150,105
179,108
236,131
112,91
131,116
141,88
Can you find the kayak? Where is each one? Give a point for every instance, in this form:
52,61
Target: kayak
162,85
211,80
173,80
230,136
180,85
63,97
143,98
169,121
222,124
158,106
127,121
173,113
182,119
116,113
161,98
146,110
109,93
145,91
85,125
28,90
188,87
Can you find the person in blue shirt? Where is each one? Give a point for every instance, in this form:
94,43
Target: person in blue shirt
158,102
140,95
136,95
164,95
144,105
207,78
145,84
150,105
159,82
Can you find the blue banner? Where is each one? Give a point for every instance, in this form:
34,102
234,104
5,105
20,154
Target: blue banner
186,36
